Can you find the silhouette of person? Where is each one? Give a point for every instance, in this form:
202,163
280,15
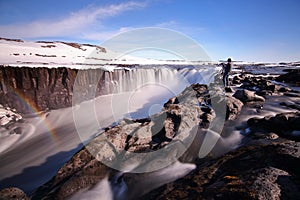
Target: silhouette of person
226,70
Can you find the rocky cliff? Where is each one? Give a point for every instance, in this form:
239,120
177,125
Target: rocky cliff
28,89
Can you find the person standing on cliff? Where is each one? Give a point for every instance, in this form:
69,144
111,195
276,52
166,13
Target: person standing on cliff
226,70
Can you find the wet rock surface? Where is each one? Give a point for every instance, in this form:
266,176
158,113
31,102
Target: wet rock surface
82,171
234,107
247,96
12,193
292,76
284,124
260,170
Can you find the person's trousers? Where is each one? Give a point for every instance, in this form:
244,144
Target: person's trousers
225,80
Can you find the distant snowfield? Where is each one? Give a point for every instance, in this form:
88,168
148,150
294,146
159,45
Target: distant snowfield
73,55
18,53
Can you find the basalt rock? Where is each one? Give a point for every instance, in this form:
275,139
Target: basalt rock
260,170
285,125
12,193
247,96
234,107
293,105
81,171
30,89
292,94
229,89
293,76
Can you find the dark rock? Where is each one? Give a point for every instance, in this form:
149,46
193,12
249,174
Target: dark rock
293,105
81,171
206,109
12,193
258,106
39,89
247,96
229,89
293,76
261,85
27,88
283,124
234,107
260,170
173,100
201,89
270,136
284,89
263,93
272,87
206,119
237,79
292,94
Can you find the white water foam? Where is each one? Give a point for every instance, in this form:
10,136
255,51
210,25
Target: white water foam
48,140
142,184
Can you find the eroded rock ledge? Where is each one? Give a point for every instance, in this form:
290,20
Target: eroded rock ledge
261,170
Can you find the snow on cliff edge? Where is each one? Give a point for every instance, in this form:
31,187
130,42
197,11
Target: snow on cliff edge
55,54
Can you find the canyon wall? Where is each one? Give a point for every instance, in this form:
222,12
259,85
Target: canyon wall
28,89
36,89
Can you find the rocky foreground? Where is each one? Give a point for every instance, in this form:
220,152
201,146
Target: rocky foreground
266,164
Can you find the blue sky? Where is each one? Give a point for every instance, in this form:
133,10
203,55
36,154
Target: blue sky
257,30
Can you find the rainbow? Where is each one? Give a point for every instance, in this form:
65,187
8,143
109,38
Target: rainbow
35,109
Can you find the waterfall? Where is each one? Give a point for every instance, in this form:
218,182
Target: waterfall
124,80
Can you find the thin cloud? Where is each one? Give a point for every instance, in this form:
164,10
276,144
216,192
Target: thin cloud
101,36
168,24
190,30
74,23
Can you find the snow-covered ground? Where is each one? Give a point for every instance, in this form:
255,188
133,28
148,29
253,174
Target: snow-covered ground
73,55
7,115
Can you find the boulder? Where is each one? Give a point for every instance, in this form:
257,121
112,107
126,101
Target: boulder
293,76
293,105
83,170
285,125
292,94
234,107
261,85
12,193
247,96
237,79
229,89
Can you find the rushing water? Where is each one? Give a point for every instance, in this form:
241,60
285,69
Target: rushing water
49,139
